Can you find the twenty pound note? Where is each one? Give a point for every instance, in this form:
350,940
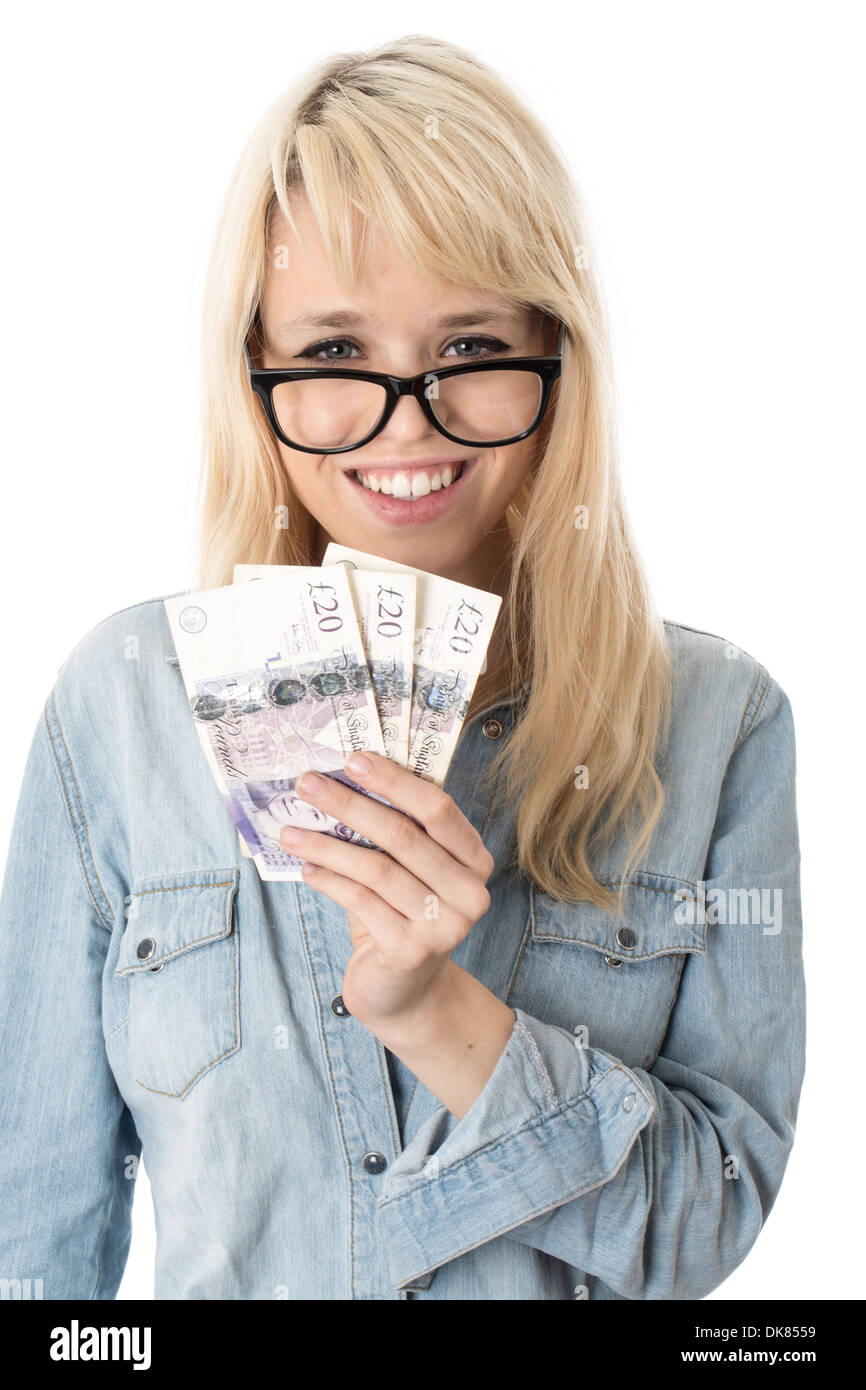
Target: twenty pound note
385,608
277,684
454,625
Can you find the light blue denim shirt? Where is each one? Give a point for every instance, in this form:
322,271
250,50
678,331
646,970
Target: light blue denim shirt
157,997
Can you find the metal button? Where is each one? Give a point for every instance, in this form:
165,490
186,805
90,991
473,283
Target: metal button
154,968
375,1163
626,938
612,962
491,728
339,1008
145,948
628,1103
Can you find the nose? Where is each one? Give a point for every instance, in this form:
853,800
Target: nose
408,422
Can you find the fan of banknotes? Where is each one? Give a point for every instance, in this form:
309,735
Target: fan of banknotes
293,668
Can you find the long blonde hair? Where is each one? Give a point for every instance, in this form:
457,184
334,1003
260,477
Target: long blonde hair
420,137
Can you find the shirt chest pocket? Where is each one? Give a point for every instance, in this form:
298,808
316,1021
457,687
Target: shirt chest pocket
179,952
614,977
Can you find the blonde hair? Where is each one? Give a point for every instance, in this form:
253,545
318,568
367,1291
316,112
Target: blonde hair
421,138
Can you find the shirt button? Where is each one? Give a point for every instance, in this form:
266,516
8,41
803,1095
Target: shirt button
613,962
628,1103
491,728
626,938
375,1163
145,948
339,1008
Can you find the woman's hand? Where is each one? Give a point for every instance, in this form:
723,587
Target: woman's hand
406,913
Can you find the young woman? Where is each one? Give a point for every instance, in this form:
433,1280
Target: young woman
580,1076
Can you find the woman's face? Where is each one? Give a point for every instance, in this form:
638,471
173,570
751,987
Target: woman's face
396,323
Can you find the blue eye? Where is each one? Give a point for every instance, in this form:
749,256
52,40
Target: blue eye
317,350
489,346
320,352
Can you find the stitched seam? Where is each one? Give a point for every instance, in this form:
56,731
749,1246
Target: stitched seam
142,603
389,1096
765,692
535,1122
543,1075
648,888
491,799
516,971
664,1030
224,930
72,825
637,883
178,1095
606,950
102,1238
80,807
182,887
84,868
611,951
200,941
409,1105
334,1093
701,631
743,731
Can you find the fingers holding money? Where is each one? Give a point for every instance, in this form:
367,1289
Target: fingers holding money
446,856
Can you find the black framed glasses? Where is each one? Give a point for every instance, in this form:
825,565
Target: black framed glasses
332,410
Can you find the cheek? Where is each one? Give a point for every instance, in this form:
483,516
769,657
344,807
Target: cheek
307,480
294,467
510,469
522,459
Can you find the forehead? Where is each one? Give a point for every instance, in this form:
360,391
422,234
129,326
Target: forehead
301,282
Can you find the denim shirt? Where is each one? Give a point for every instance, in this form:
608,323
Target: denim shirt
157,998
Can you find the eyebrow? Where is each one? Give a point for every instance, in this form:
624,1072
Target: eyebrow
351,318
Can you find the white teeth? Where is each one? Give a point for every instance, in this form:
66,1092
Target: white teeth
404,485
420,485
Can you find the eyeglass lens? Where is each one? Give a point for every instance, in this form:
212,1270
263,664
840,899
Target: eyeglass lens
330,413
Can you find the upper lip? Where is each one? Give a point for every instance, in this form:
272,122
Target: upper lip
403,465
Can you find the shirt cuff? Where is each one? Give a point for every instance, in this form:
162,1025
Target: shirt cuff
554,1120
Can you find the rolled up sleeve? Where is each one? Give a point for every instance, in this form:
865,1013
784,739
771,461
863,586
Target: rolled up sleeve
551,1123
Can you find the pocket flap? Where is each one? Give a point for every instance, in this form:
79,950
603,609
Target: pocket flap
172,913
664,915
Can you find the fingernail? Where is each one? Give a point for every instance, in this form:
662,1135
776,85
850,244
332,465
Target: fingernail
358,763
290,836
310,782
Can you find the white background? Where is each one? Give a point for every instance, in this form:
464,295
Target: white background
719,148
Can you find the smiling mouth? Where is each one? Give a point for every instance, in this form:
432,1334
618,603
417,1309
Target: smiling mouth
407,485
